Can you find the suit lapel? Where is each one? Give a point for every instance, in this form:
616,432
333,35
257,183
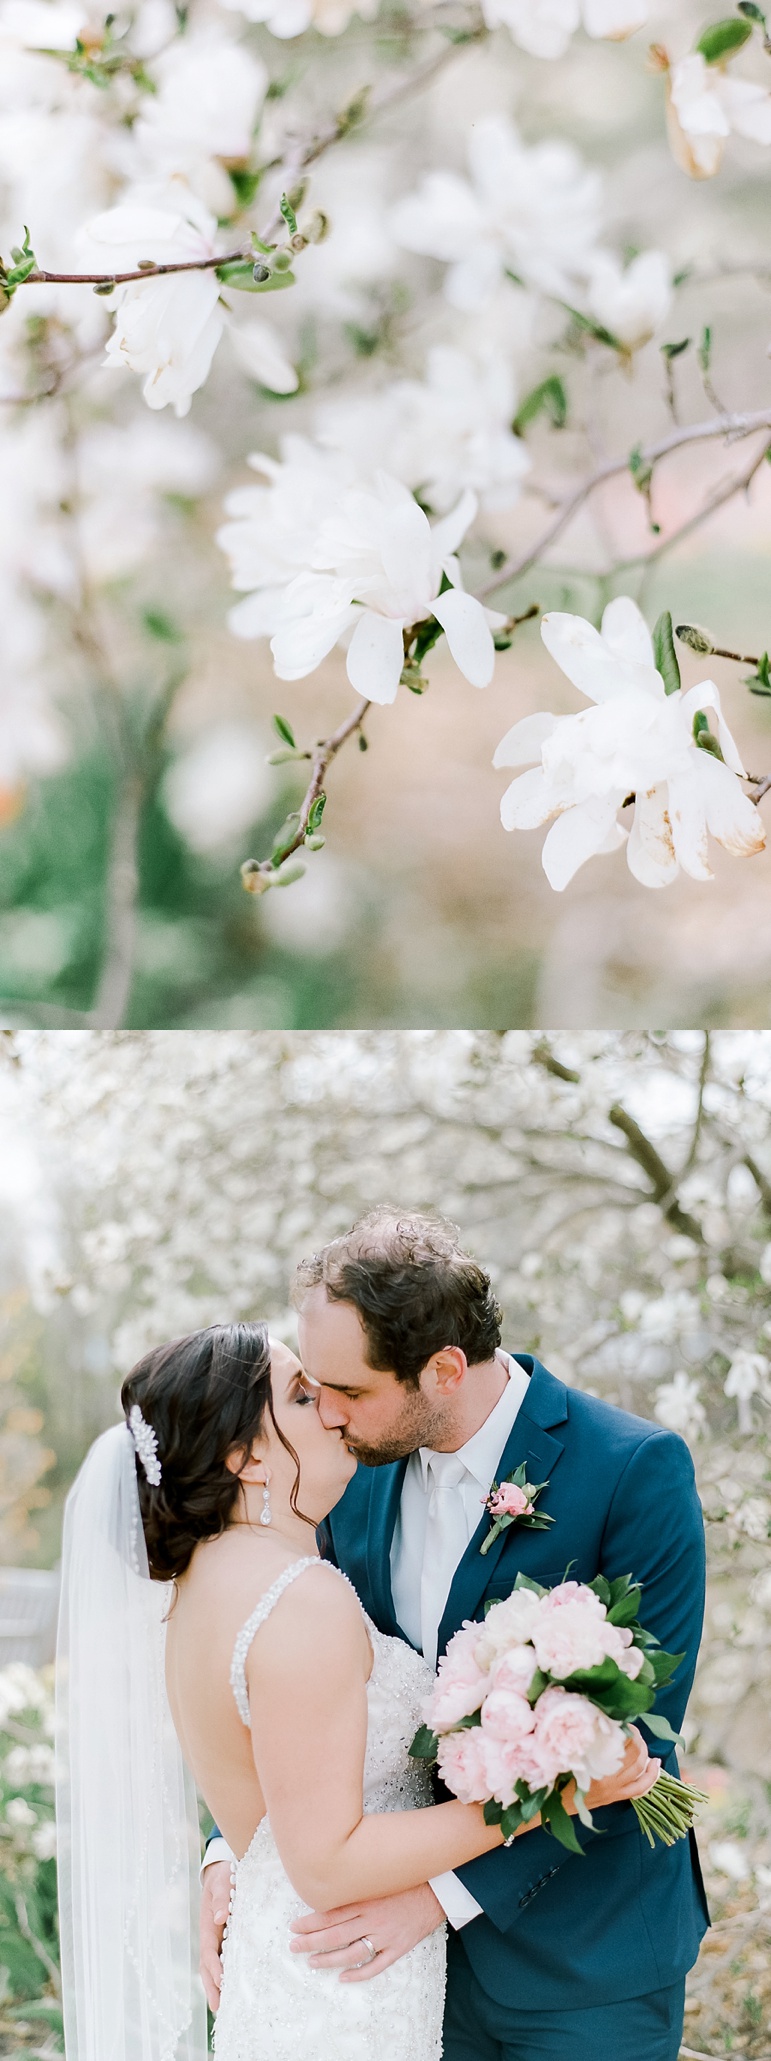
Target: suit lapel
532,1440
383,1511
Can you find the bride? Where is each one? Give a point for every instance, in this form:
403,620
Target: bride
203,1643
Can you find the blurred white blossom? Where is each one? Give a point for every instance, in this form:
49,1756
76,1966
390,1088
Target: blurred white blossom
747,1376
545,27
203,115
534,211
438,435
705,105
631,302
287,18
636,741
677,1406
218,786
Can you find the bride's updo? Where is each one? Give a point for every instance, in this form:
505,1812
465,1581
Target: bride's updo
202,1396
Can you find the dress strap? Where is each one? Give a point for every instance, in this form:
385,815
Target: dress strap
264,1607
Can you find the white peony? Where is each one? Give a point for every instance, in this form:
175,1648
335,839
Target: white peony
510,1623
438,435
636,740
534,212
378,566
545,27
705,105
166,328
631,302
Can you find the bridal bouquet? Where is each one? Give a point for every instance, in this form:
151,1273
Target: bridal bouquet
544,1692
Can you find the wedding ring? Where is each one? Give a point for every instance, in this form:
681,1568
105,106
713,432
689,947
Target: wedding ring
371,1953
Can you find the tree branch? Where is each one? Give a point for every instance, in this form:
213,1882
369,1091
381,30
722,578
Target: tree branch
644,1151
732,427
256,873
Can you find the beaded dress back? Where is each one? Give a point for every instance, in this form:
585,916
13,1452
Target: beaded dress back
273,2005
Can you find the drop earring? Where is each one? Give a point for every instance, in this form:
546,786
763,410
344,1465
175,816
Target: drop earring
265,1511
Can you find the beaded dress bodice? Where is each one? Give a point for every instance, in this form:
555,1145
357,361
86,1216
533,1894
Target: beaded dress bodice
272,2002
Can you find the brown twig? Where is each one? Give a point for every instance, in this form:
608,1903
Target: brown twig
256,873
732,427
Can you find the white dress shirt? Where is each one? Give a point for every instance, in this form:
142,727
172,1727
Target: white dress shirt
434,1526
421,1575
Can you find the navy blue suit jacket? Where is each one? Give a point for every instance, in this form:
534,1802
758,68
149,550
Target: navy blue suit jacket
557,1930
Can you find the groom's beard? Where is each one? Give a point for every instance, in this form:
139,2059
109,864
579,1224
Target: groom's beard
416,1425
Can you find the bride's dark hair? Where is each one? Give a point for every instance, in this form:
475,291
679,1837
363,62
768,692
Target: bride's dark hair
203,1396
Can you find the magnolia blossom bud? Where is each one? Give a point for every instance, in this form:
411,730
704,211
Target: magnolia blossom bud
696,639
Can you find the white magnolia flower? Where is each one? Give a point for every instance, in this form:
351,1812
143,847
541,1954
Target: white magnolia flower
204,114
438,435
166,328
378,567
122,473
677,1406
636,740
286,18
544,27
747,1376
534,212
631,302
218,786
705,105
275,525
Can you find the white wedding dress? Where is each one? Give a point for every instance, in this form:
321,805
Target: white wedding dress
274,2007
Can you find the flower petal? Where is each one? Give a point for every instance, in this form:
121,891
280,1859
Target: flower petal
579,835
447,534
732,818
376,656
626,632
468,635
528,802
594,669
687,815
650,853
522,744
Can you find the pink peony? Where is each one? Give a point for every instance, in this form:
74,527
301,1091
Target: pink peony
572,1737
509,1501
575,1592
503,1764
507,1716
514,1670
461,1764
618,1646
570,1637
461,1683
509,1623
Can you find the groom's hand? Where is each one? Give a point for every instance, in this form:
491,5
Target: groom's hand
215,1903
394,1924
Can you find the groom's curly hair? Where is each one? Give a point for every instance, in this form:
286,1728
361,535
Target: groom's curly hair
203,1396
415,1289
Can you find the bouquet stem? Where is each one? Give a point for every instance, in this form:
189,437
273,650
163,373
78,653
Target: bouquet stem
668,1810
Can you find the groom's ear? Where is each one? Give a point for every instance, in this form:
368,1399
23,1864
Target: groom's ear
446,1369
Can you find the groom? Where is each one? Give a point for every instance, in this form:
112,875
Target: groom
549,1954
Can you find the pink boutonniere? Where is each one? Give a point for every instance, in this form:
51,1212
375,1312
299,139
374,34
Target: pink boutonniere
513,1502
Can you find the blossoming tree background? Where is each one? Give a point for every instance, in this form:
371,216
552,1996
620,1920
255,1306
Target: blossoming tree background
619,1186
390,377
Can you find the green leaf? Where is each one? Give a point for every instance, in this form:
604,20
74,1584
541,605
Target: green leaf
557,1820
244,184
704,348
752,12
640,468
284,730
289,214
424,1746
661,1729
493,1812
760,682
316,812
722,38
513,1817
625,1609
594,329
664,1665
525,1581
428,634
601,1588
675,350
549,398
539,1682
241,275
664,654
159,624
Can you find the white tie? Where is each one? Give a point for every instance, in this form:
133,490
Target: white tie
446,1542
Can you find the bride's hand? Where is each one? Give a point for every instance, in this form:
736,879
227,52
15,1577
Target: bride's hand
635,1777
